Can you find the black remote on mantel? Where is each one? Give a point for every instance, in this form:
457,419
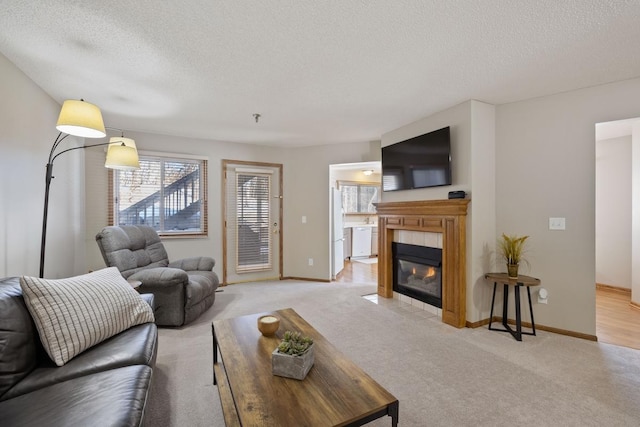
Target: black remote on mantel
457,194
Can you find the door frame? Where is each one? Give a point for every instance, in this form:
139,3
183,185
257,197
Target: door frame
278,166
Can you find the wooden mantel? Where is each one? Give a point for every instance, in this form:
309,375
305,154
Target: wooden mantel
436,216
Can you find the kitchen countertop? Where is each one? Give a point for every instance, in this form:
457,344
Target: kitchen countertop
353,224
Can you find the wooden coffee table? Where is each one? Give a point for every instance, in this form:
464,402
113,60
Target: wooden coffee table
336,392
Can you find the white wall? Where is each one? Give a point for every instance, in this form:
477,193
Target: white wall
305,176
27,118
613,212
482,215
472,126
545,167
215,151
307,193
635,212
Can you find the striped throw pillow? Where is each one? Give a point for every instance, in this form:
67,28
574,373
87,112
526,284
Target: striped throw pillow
76,313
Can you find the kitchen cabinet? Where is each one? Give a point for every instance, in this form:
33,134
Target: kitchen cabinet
361,241
374,241
347,242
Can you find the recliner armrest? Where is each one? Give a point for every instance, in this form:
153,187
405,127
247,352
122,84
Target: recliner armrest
160,276
199,263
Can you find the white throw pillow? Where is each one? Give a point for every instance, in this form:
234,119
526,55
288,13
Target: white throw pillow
76,313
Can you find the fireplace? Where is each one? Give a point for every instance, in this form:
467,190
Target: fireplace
417,272
447,217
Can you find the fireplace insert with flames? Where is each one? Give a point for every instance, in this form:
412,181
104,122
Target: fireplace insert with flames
417,272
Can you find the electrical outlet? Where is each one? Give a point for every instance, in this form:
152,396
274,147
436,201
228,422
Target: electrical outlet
310,262
543,296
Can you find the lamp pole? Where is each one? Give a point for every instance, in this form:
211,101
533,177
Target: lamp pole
48,177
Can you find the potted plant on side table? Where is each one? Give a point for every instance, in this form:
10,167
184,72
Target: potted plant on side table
512,249
294,357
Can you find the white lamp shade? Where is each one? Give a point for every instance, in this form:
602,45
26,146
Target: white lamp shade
122,154
80,118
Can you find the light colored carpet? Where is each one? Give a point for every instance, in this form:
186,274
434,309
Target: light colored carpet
365,260
441,375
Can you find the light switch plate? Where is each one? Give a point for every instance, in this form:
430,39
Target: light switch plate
557,224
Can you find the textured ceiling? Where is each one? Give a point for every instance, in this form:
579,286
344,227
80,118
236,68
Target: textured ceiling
317,71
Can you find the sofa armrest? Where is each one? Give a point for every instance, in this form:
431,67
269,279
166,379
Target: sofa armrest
199,263
160,276
149,299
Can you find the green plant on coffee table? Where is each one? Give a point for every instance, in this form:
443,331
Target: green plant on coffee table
294,344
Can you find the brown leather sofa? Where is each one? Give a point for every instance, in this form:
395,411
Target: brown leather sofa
107,384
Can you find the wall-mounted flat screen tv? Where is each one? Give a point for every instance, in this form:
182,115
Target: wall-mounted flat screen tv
422,161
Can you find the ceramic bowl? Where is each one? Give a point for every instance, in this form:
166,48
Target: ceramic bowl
268,325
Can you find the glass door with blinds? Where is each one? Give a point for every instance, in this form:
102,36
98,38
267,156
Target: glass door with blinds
252,222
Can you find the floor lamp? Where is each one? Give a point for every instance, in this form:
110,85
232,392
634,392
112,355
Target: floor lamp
80,118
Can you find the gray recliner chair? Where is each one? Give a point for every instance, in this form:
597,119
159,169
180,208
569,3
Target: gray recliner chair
182,289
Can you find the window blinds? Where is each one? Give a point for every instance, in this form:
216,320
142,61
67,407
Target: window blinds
253,236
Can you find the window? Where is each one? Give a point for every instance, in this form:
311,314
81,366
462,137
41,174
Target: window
253,221
167,193
359,197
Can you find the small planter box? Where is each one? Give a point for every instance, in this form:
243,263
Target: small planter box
296,367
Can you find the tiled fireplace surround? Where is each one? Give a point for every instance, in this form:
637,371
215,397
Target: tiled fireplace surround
436,223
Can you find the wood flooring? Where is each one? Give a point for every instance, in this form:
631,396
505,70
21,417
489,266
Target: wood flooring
357,272
616,321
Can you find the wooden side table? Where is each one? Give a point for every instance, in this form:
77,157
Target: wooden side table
518,282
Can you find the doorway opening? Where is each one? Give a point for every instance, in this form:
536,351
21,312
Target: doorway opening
353,189
617,319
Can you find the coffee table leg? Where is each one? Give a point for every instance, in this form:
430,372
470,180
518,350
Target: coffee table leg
394,409
215,353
